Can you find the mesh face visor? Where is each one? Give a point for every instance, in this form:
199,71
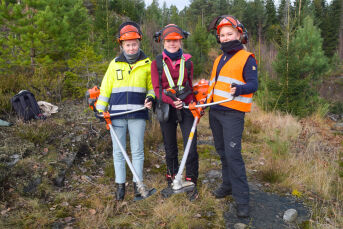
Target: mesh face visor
229,21
129,32
172,30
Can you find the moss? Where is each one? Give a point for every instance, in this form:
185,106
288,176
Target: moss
207,152
38,132
109,169
62,212
160,170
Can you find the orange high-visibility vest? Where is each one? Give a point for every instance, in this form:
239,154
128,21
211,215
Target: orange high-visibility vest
231,72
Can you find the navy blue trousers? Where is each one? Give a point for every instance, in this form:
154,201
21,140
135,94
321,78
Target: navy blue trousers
227,128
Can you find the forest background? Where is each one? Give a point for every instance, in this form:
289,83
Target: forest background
58,49
64,47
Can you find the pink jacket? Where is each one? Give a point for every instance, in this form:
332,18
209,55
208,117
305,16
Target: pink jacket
174,72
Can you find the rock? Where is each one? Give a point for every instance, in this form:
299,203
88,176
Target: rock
32,186
59,180
338,126
213,174
78,138
197,215
15,158
240,226
205,181
334,117
290,215
68,219
86,178
210,214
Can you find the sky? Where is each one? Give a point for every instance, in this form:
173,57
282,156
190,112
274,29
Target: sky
180,4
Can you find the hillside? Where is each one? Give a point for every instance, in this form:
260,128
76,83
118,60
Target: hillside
43,186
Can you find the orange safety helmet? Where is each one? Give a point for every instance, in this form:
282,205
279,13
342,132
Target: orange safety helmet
170,32
129,31
228,20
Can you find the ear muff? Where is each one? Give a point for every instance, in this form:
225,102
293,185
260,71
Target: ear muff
132,24
214,24
158,35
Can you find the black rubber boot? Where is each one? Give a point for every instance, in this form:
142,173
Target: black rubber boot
135,189
242,210
221,192
168,191
120,192
192,194
169,180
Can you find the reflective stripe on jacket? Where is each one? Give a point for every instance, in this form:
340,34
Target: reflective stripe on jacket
125,87
231,72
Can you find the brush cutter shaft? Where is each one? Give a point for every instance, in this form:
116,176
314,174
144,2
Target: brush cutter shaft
122,113
188,146
127,159
211,104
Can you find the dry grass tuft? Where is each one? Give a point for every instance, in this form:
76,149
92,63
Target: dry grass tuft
299,155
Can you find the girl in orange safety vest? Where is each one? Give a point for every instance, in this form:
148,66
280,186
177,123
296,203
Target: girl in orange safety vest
234,75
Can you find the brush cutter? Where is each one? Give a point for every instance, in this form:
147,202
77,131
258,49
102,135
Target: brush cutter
200,91
92,96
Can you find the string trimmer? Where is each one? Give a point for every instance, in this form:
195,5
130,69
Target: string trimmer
200,91
92,96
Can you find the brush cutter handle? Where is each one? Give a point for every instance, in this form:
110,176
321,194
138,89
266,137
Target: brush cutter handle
211,104
101,115
187,149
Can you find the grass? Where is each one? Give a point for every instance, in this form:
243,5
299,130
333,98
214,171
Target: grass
301,155
287,153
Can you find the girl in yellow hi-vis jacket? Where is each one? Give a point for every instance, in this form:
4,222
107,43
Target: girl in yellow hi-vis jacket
127,86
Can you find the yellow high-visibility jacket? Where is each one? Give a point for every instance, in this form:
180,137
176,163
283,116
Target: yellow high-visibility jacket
125,87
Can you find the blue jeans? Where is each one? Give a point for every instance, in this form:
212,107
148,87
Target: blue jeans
136,130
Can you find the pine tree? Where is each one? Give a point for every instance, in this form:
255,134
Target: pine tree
255,18
105,28
66,26
198,46
237,9
333,25
299,67
272,27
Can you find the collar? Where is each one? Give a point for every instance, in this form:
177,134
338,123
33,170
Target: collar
121,57
167,58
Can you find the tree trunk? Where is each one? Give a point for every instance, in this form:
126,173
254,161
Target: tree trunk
340,47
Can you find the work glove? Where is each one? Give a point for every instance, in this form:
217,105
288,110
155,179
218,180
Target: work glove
148,100
96,114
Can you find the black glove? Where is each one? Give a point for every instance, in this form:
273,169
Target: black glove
150,99
96,114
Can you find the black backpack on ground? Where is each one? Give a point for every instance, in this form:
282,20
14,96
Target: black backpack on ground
25,104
